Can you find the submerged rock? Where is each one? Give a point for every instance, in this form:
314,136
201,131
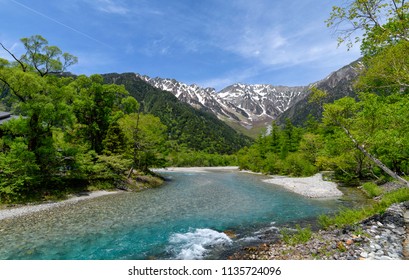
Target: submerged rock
230,234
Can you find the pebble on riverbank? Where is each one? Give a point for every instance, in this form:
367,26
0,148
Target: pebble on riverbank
313,187
381,237
28,209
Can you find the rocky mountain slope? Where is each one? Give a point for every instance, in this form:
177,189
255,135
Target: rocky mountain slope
338,84
187,126
255,106
246,105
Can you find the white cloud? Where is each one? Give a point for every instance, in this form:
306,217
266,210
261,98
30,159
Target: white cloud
92,63
109,6
255,44
273,35
15,47
229,78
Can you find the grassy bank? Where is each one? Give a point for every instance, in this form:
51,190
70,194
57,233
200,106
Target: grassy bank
348,217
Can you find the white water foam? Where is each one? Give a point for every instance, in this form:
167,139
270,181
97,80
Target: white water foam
194,245
250,239
267,229
261,234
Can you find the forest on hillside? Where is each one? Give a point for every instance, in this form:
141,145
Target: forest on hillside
99,131
78,131
359,138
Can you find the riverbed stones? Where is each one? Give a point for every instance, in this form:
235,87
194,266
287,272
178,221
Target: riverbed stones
230,234
406,242
364,255
386,234
381,237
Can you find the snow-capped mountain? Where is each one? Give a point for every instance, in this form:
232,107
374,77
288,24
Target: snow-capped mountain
244,104
258,101
338,84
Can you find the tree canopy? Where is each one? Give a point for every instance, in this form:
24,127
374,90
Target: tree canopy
68,130
375,23
359,137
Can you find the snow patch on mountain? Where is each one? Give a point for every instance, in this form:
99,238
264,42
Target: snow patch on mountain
245,104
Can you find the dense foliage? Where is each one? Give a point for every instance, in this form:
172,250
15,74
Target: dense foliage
70,131
101,130
360,137
353,216
375,122
187,127
282,151
89,131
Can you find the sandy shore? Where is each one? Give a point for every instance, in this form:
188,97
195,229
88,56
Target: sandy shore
28,209
197,169
313,187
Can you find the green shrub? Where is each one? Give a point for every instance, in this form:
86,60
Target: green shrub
296,165
397,196
19,172
324,221
371,189
352,216
299,236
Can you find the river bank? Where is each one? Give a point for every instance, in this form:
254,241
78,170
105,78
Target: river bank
105,214
380,237
196,169
312,187
21,210
137,183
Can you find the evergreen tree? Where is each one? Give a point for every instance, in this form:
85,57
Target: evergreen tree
115,142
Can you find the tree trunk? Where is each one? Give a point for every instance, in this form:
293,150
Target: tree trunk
130,172
375,160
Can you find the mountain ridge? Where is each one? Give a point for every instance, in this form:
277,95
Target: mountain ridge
245,105
253,106
338,84
198,130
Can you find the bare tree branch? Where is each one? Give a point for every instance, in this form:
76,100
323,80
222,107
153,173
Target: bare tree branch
23,66
16,93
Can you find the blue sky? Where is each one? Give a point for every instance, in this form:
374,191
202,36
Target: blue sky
213,43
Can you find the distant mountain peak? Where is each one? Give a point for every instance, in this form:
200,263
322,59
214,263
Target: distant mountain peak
252,105
241,103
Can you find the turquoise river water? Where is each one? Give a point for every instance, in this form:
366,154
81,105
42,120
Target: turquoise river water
184,219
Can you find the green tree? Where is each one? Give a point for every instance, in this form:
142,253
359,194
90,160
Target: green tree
382,22
318,97
146,138
275,136
18,170
385,27
41,98
95,105
387,72
348,114
290,138
42,58
115,141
